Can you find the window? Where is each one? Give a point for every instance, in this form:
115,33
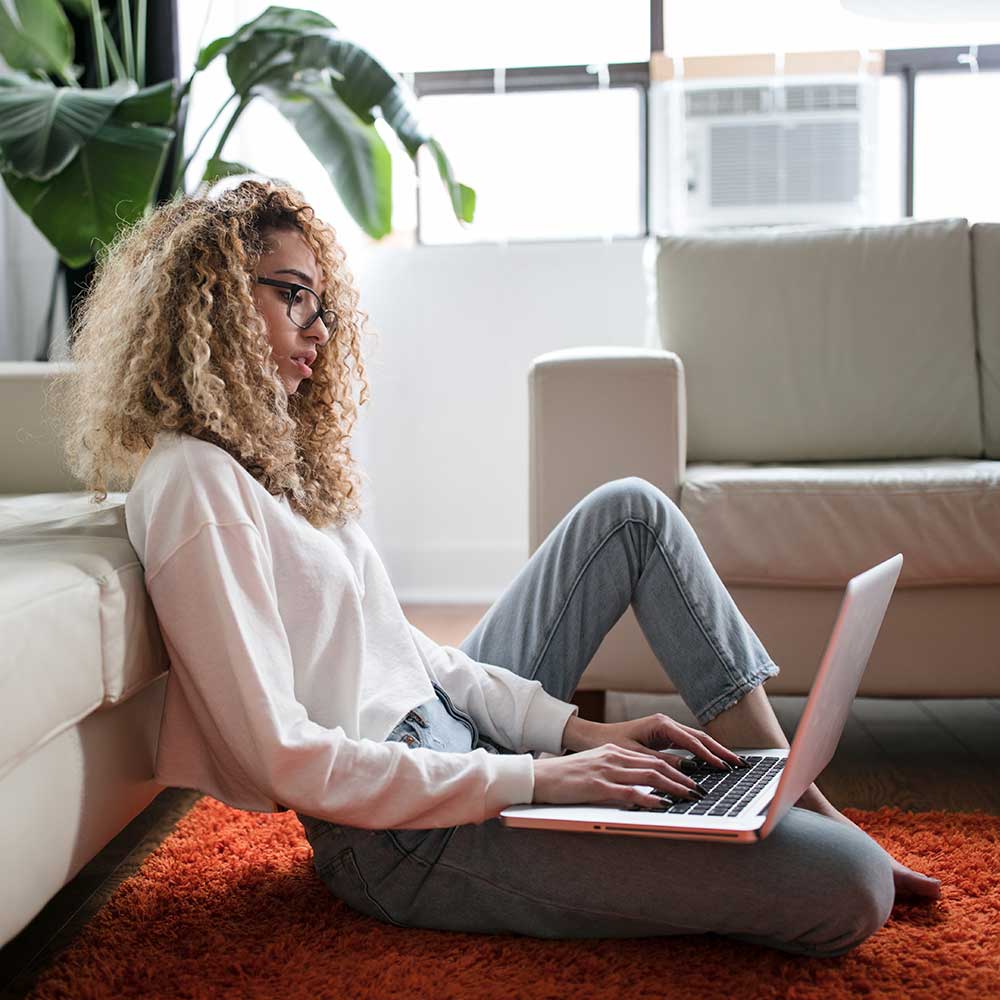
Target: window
436,35
549,112
941,168
735,27
548,165
956,153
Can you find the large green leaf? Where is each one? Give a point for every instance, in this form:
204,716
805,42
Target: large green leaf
361,82
330,88
216,169
43,126
153,105
264,56
463,198
111,181
287,21
350,150
34,34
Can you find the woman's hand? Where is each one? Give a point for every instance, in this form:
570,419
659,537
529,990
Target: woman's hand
610,775
650,735
615,759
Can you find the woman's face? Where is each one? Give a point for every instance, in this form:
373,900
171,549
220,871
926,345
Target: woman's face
288,259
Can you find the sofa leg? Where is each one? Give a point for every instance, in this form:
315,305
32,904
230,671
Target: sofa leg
591,704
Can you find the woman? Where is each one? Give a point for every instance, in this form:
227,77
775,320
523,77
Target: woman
215,358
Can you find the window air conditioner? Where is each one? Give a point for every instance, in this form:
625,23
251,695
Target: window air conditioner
760,151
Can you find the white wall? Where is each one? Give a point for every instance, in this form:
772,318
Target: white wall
27,266
446,428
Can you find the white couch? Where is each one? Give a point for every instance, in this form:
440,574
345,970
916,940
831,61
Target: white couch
82,663
814,400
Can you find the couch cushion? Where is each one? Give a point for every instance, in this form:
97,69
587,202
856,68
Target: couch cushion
986,271
819,524
810,343
79,630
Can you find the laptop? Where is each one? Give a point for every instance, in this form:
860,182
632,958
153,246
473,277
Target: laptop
745,805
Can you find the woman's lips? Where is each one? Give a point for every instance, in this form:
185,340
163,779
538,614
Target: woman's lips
302,367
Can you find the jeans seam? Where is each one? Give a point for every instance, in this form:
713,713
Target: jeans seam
735,679
760,674
334,864
694,612
545,902
412,854
351,864
465,718
569,597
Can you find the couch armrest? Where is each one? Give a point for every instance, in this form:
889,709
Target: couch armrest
597,414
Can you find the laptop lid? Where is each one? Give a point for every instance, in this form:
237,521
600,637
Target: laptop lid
862,609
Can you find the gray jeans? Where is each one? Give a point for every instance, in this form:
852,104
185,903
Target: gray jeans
814,887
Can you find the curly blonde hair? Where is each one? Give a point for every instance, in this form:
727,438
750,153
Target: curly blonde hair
168,337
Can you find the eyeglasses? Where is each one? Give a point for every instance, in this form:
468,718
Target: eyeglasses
304,305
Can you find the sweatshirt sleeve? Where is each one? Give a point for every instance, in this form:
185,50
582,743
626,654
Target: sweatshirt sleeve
217,607
510,709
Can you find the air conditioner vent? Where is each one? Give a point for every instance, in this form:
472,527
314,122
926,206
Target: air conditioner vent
764,150
728,101
795,163
743,165
823,162
831,97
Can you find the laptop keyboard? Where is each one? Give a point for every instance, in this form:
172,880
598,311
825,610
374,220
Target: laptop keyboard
727,792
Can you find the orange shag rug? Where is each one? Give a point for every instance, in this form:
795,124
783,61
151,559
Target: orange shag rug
229,905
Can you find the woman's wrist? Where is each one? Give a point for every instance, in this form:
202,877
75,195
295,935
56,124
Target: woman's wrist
581,734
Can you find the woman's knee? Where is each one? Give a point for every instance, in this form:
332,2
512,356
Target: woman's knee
854,895
631,496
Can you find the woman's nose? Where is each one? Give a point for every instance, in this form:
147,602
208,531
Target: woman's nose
318,326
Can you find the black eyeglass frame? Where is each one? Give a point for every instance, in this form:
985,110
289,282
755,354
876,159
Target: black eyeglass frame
294,286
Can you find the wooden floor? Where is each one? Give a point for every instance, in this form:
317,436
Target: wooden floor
915,754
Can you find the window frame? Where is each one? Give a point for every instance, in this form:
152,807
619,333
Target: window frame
905,63
518,79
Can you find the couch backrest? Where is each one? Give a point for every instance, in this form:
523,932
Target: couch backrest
31,457
986,272
811,343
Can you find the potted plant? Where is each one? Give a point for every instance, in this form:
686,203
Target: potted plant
82,161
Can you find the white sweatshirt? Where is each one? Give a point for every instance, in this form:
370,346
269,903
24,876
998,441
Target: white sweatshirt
291,661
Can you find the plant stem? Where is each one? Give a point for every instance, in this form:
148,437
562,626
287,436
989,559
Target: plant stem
125,30
116,60
244,101
181,120
96,23
187,86
204,25
140,43
201,138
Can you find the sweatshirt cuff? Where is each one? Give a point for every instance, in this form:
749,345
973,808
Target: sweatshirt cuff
513,784
545,721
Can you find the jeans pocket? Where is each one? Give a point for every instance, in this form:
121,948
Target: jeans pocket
344,879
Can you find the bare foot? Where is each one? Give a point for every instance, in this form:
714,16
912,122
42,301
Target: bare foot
907,881
911,883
